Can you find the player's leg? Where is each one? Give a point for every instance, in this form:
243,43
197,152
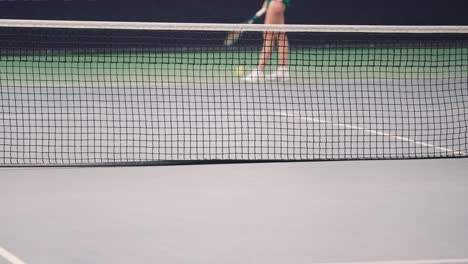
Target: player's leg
269,41
274,15
282,72
281,41
283,50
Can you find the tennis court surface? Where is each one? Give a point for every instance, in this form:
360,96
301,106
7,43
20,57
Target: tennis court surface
368,211
111,95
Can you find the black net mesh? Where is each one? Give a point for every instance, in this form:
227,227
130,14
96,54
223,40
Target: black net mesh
98,97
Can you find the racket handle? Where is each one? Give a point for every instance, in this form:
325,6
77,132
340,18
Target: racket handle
261,12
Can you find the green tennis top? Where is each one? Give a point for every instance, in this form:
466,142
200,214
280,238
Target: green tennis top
286,2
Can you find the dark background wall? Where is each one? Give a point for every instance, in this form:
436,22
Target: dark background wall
398,12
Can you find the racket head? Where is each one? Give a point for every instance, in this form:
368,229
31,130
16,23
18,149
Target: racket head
232,38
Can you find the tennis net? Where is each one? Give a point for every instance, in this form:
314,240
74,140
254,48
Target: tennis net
114,93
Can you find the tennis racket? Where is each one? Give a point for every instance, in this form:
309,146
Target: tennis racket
234,36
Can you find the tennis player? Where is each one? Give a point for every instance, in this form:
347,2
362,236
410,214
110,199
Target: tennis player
275,14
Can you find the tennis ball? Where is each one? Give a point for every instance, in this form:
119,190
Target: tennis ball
239,71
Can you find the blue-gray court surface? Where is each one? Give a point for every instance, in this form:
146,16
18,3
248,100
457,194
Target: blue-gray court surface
347,212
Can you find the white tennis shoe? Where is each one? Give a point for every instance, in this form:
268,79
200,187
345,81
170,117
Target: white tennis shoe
255,76
281,73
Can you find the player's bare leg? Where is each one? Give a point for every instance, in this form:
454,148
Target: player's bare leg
271,40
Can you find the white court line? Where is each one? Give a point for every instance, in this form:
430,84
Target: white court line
10,257
423,261
316,120
375,132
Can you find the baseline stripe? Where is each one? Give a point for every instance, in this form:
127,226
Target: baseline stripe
376,132
10,257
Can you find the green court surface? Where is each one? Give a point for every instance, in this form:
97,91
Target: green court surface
58,68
